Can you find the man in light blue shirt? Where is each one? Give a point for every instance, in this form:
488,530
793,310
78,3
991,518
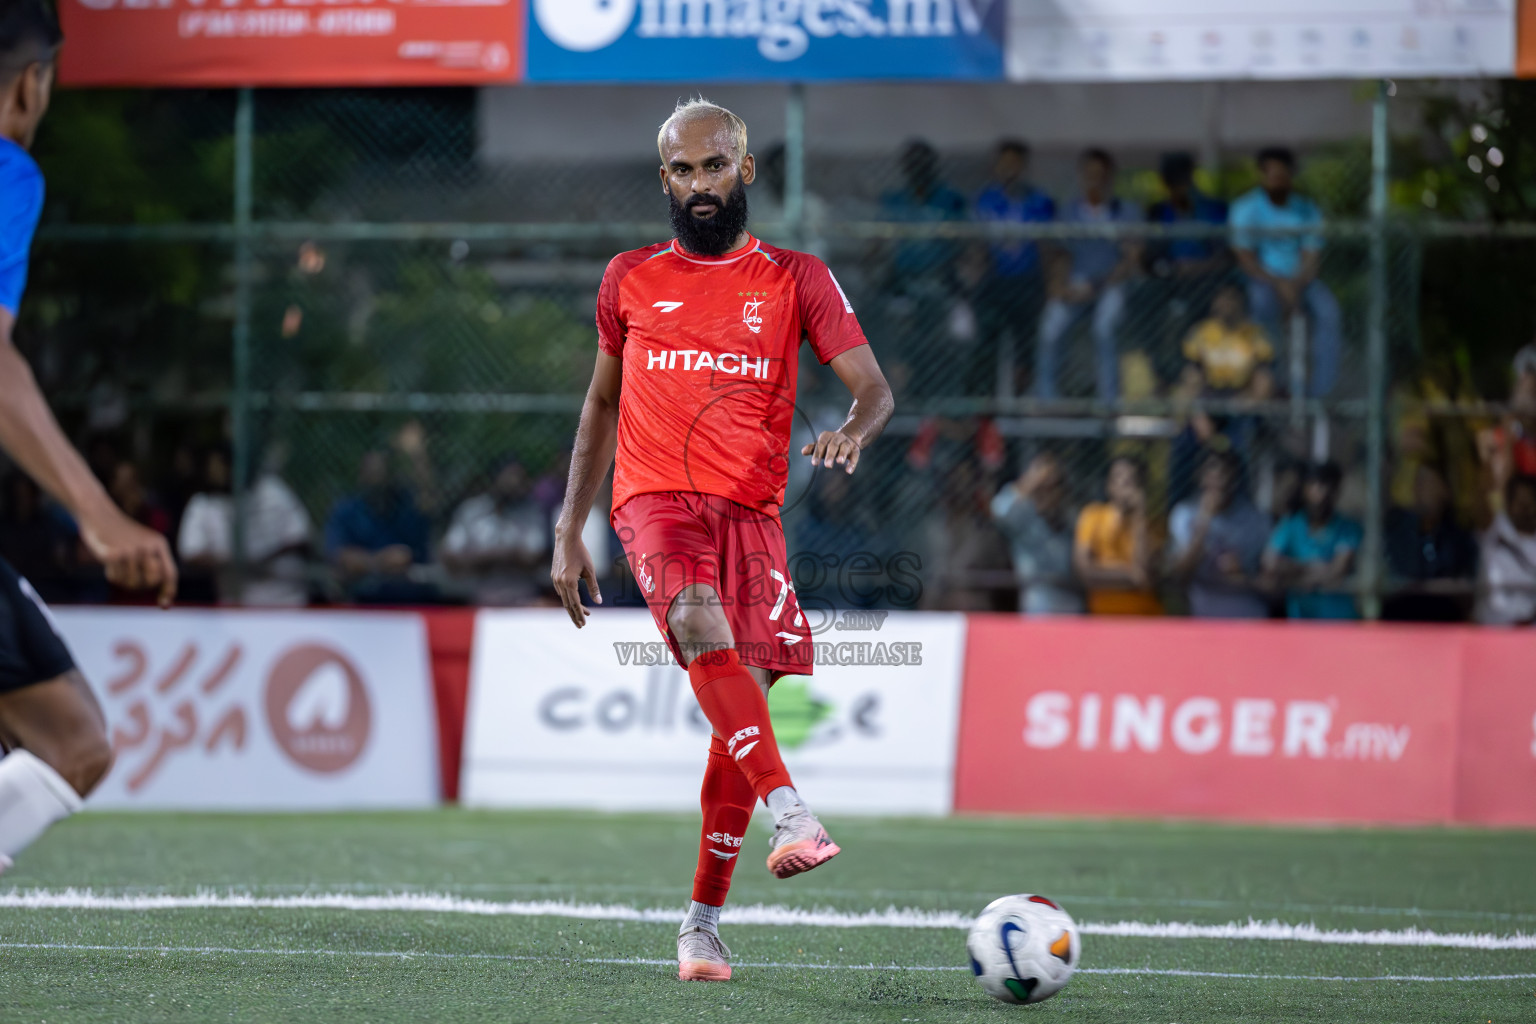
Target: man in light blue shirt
1089,278
1282,268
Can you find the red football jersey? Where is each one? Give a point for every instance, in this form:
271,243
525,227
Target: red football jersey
711,349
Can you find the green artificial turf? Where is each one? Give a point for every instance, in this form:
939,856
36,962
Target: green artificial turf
344,965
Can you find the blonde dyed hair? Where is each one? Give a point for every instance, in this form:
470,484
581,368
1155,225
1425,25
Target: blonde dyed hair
698,109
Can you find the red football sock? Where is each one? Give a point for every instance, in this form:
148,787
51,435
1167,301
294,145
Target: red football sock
728,800
736,707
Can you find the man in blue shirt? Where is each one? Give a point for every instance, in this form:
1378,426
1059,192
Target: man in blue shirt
1312,552
1282,268
1088,278
376,536
1010,299
50,723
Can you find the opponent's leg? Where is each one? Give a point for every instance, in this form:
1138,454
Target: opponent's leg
727,800
58,751
736,703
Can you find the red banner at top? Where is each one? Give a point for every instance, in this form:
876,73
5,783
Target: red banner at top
220,43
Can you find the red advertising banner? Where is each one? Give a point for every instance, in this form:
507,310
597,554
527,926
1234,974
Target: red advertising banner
1252,721
219,43
1496,767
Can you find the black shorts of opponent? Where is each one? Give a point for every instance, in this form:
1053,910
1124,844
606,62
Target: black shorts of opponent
30,651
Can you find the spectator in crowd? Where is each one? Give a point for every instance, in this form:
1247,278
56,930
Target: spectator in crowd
1228,355
1032,514
37,543
1428,555
499,542
924,197
1009,303
1227,358
1509,449
1188,260
128,490
1113,552
962,550
1087,278
1509,559
276,538
1311,553
1182,271
377,536
919,289
1282,268
1218,544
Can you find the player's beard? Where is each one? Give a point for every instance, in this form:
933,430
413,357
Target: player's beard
710,236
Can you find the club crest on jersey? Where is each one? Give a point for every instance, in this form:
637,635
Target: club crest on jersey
750,311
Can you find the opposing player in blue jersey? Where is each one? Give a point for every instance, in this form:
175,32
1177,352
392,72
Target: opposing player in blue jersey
51,728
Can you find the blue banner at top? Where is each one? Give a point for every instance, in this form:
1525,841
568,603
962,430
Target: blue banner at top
763,40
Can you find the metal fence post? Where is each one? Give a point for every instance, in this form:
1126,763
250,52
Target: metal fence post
1372,564
240,398
794,164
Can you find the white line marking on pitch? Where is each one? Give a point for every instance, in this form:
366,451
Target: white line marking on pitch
766,965
573,891
759,914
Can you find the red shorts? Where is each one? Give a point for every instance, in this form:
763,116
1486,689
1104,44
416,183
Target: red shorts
674,539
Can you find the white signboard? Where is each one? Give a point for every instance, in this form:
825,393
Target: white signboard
1128,40
260,710
597,718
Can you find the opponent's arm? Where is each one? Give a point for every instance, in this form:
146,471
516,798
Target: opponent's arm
596,439
134,556
872,408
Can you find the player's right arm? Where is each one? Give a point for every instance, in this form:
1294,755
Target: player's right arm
596,439
134,556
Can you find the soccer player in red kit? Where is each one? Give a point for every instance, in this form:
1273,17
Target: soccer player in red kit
692,399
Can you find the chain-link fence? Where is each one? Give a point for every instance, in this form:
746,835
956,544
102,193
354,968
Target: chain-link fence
355,302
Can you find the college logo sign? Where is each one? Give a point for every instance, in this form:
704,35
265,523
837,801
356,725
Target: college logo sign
747,40
603,718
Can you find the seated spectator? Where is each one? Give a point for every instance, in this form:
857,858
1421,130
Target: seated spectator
1113,552
128,490
1312,553
1228,355
38,543
500,541
1218,544
276,538
1032,514
919,289
1009,304
923,198
1509,559
1087,278
1188,260
1432,558
1282,268
1509,449
376,537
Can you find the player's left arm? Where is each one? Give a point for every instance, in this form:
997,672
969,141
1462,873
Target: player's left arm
872,408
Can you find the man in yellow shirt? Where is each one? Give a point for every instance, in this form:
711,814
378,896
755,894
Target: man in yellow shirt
1229,350
1113,554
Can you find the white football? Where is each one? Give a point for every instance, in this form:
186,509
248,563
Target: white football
1023,948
